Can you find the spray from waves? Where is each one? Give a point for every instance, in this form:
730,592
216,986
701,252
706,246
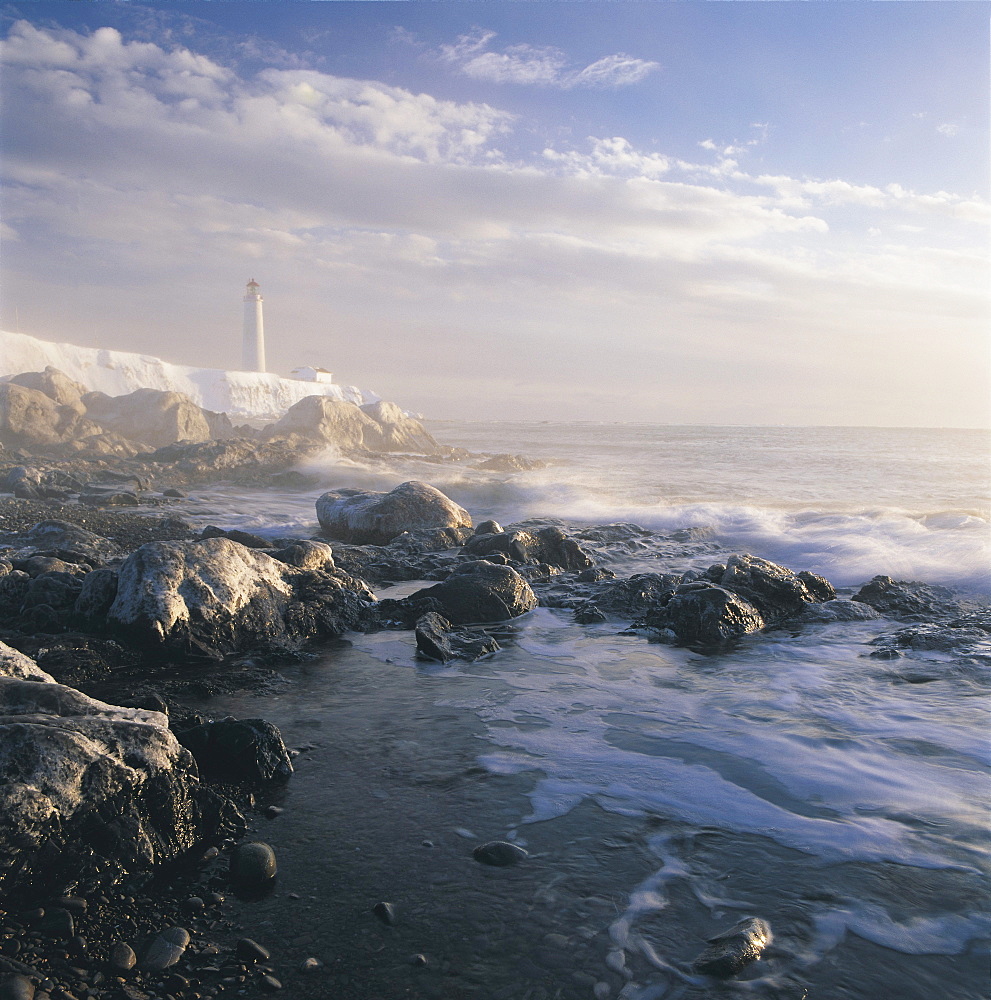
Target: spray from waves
847,546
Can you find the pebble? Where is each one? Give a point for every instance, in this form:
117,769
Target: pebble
252,864
386,912
418,959
213,899
272,811
251,951
165,949
194,904
17,988
310,964
499,853
74,904
210,853
270,983
57,923
734,949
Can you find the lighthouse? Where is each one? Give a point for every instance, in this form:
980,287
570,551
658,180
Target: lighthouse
253,344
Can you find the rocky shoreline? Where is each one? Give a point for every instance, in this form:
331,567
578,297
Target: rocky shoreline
123,807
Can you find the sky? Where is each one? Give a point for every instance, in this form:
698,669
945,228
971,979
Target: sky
691,213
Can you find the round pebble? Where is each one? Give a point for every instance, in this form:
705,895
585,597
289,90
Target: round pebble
17,988
251,951
310,964
386,912
270,983
499,853
252,864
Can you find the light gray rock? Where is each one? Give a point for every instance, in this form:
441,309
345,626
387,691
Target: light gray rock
396,431
330,421
151,417
218,596
53,383
165,949
29,419
364,518
15,664
86,785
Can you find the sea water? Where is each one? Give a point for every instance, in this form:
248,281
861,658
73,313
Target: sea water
663,794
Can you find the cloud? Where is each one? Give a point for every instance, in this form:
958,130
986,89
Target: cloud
539,65
948,129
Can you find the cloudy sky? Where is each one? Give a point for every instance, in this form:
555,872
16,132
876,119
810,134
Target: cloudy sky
686,212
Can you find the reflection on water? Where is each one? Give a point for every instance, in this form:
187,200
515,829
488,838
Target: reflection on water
661,796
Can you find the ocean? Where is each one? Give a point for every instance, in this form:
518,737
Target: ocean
662,793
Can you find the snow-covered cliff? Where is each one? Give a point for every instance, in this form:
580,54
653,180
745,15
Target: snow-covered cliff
242,395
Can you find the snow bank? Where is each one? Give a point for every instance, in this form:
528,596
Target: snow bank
242,395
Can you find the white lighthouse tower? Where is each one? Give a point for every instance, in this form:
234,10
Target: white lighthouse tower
253,344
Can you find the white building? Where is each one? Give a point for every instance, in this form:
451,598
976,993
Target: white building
253,341
307,373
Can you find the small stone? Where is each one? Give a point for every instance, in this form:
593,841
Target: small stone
17,988
499,853
310,964
251,951
194,904
426,843
734,949
214,899
270,983
252,864
272,811
74,904
210,853
58,924
165,949
386,912
418,960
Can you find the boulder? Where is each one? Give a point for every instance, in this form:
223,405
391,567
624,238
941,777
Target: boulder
14,663
328,421
306,554
479,592
775,591
62,540
30,419
903,599
86,787
231,749
550,545
364,518
437,639
242,455
396,432
98,592
706,614
217,597
53,383
152,417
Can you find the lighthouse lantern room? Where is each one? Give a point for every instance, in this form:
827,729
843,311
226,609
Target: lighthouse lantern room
253,343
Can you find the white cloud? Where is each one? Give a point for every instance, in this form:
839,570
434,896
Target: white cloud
948,129
539,65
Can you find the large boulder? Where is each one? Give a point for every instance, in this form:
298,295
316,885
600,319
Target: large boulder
216,596
61,540
906,599
438,639
479,592
30,419
86,787
231,749
396,431
365,518
329,421
549,545
53,383
702,613
152,417
775,591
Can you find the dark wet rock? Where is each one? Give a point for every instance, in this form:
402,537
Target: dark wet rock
16,987
703,613
499,854
252,865
775,591
902,599
240,457
588,614
838,610
437,639
122,957
270,984
116,498
173,493
478,592
386,912
549,545
151,417
87,787
628,598
57,590
364,518
165,949
216,597
966,637
246,538
238,750
249,951
34,566
734,949
62,540
14,587
97,594
57,923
